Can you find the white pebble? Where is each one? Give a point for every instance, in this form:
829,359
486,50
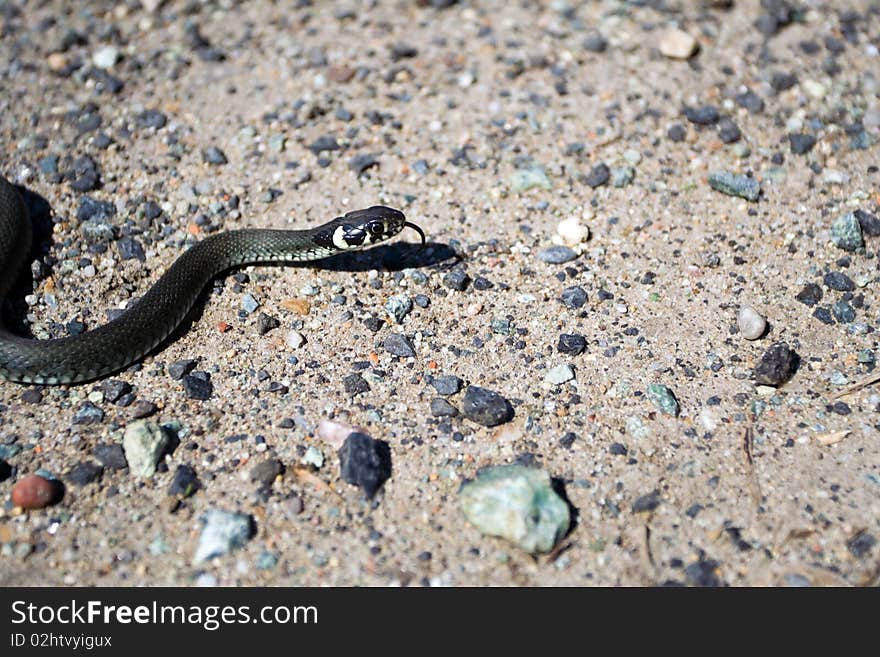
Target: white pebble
677,44
572,232
751,324
295,339
106,57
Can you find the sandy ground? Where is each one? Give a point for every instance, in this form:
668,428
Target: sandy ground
748,492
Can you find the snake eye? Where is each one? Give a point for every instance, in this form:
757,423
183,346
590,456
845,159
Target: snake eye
375,228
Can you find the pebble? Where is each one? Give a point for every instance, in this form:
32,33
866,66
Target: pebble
184,483
735,185
105,57
556,255
751,324
647,502
224,531
559,374
197,386
36,492
870,224
447,384
846,232
843,312
249,303
705,115
84,472
213,155
574,297
88,413
572,232
486,407
530,177
810,295
663,398
598,176
313,457
776,366
442,408
365,462
360,163
677,44
801,143
457,280
622,176
595,42
144,443
265,472
294,339
355,384
572,345
113,389
334,433
398,344
5,470
398,307
179,368
110,455
839,281
518,504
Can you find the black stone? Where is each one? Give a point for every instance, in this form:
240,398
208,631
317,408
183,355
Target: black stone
703,573
324,143
5,470
130,249
571,344
113,389
184,483
676,132
801,143
442,408
861,544
567,441
355,384
486,407
595,42
618,449
598,176
751,102
705,115
839,281
180,367
398,344
360,163
151,118
870,223
266,471
810,295
447,384
84,473
647,502
783,81
777,365
574,297
823,315
32,396
365,462
92,209
88,413
266,323
457,279
110,455
728,131
197,387
401,50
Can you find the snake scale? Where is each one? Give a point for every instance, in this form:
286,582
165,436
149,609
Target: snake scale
152,318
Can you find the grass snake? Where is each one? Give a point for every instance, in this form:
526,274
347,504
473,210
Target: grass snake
151,319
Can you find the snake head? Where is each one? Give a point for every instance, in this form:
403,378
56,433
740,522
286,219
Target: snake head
362,228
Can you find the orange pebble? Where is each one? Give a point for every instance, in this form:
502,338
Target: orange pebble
223,327
34,492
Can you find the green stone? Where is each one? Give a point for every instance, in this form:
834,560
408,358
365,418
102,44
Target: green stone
846,233
144,443
663,399
518,504
735,185
534,176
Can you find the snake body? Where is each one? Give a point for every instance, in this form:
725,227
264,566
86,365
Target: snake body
152,318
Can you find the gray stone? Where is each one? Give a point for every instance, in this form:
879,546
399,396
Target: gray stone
144,443
846,232
735,185
224,531
486,407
